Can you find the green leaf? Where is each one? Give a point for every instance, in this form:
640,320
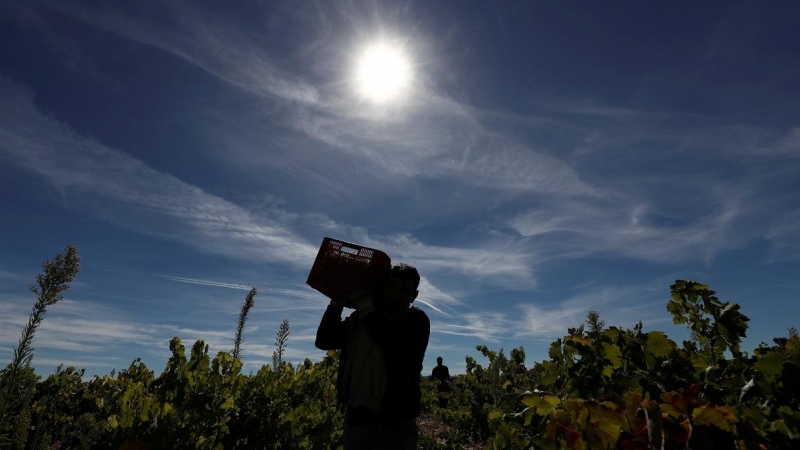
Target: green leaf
552,400
791,419
675,404
780,427
144,414
555,350
630,418
659,344
228,404
613,354
721,417
531,400
529,413
770,364
541,404
607,425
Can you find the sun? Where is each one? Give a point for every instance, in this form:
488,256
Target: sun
383,72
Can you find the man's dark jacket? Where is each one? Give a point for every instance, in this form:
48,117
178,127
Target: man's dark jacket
404,341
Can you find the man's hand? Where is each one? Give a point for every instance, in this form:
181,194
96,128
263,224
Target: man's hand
337,303
358,299
361,301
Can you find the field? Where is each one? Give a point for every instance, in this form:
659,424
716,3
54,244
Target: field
602,387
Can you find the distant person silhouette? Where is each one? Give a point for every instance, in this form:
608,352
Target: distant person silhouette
441,373
382,344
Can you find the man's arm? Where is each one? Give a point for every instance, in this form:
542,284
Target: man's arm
331,333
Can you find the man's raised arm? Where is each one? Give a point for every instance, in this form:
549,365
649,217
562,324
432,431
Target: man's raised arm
331,333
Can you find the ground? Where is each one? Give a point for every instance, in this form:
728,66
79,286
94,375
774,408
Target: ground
432,427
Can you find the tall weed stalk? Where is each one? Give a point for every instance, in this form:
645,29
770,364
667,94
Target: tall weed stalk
249,301
281,341
17,380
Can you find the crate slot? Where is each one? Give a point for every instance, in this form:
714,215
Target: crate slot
352,251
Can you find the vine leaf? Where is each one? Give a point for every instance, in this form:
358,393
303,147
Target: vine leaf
719,416
659,344
770,364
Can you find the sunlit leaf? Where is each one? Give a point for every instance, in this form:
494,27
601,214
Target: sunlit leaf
719,416
555,350
770,363
659,344
613,354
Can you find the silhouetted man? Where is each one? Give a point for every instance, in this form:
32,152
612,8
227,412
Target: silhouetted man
442,374
383,343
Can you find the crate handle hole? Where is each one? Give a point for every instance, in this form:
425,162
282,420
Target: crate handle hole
352,251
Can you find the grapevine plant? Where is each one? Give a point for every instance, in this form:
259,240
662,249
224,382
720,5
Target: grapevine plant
197,402
630,389
601,388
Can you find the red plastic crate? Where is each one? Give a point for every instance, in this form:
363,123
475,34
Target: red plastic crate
343,266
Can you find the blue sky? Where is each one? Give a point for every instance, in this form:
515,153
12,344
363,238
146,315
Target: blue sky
545,159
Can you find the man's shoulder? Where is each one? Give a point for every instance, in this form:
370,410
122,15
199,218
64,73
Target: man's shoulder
418,314
418,311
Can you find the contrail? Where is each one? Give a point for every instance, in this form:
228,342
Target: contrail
289,292
208,283
432,307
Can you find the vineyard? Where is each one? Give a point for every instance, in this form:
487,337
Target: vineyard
602,387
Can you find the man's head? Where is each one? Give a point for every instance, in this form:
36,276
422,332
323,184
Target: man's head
439,360
400,289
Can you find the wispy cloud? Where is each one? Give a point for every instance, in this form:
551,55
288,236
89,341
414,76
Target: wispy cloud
435,137
76,331
636,231
438,138
790,144
432,136
77,363
486,326
785,236
216,46
625,305
74,328
490,259
163,205
549,319
9,275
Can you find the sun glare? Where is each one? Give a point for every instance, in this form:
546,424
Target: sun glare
383,73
